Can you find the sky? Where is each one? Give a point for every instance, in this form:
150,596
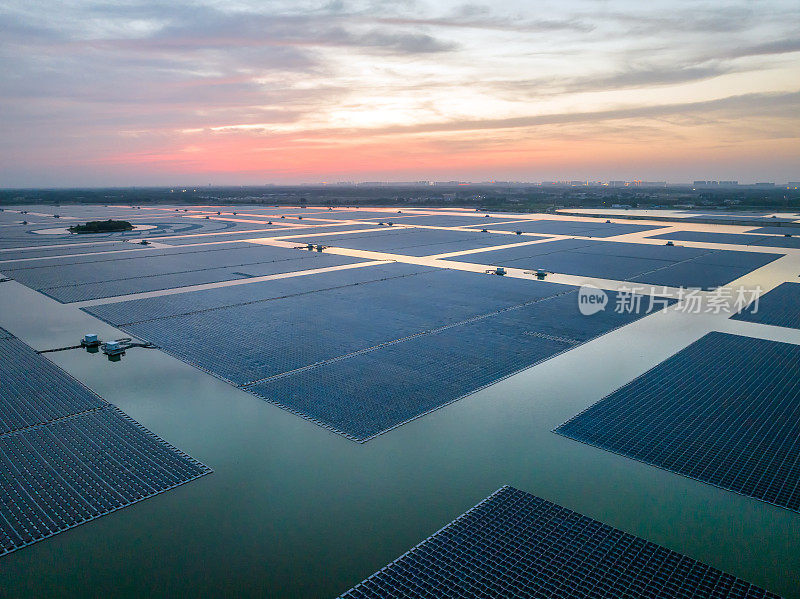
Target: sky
255,91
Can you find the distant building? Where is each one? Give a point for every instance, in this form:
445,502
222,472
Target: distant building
448,197
617,184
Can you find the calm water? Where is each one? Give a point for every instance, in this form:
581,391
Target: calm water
293,510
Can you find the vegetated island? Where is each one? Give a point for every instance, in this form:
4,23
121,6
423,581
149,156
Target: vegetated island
102,226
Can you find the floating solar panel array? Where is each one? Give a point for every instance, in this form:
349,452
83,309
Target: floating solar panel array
93,277
659,265
724,411
62,250
140,310
410,242
430,336
66,455
732,238
783,230
779,307
450,220
513,544
573,227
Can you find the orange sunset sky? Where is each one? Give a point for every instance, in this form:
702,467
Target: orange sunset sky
246,92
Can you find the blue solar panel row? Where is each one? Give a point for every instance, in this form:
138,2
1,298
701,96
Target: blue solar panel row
34,390
133,311
412,242
725,411
415,365
66,455
41,271
645,263
368,393
784,230
514,544
579,228
447,220
212,275
61,474
732,238
285,334
109,277
61,251
779,307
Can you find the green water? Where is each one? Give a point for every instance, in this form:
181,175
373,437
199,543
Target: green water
293,510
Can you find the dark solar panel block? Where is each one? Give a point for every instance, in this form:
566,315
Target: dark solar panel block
74,293
779,307
691,274
448,220
90,291
249,342
412,242
792,230
589,265
663,252
500,257
33,390
645,263
706,237
514,544
747,260
724,411
363,395
258,231
66,455
376,216
132,251
61,251
61,474
210,299
580,228
120,275
779,242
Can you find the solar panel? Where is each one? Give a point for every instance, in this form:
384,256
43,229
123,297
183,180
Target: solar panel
153,308
449,220
792,230
365,394
314,351
725,411
60,251
34,390
573,227
707,237
66,455
514,544
412,242
779,307
94,277
247,342
778,241
67,472
645,263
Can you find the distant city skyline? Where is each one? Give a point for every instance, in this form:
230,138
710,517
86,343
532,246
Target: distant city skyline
247,93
